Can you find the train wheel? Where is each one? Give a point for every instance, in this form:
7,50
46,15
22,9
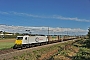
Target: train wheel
27,46
20,48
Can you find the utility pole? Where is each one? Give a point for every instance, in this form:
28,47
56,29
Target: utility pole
48,31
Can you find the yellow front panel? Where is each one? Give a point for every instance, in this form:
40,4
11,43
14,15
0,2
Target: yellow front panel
18,42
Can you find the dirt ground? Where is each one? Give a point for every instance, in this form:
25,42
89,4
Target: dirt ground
47,55
7,40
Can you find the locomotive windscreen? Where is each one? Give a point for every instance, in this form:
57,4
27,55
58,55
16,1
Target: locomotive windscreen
19,38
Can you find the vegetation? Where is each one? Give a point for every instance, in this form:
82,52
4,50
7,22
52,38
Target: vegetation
83,54
5,36
87,42
6,45
84,49
89,32
35,54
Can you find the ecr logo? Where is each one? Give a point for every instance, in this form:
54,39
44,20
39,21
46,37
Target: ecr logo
37,39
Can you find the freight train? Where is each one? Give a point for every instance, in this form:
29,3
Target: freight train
29,41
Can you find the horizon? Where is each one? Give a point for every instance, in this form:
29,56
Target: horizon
43,30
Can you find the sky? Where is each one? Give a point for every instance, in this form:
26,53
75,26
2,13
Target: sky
48,13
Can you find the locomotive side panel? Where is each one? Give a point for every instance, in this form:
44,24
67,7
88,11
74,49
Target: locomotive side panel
37,39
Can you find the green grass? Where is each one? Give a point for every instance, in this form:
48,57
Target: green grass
6,45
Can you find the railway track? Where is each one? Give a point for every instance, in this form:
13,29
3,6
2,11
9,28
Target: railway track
14,52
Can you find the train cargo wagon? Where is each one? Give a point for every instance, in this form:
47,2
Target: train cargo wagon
60,37
65,38
53,39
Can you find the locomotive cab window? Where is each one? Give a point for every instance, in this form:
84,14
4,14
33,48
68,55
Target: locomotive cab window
19,38
25,38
